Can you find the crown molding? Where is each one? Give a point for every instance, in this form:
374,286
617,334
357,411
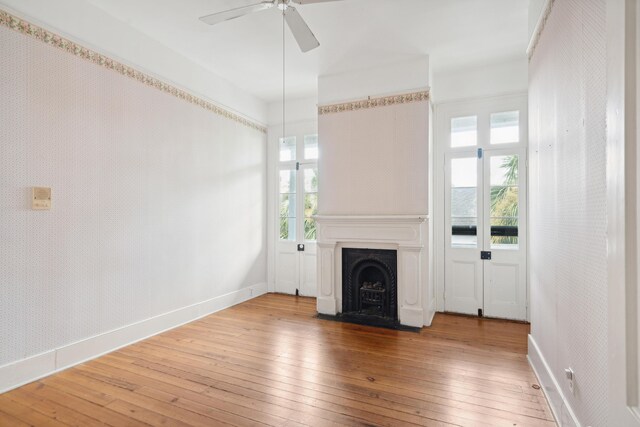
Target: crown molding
384,101
538,30
28,29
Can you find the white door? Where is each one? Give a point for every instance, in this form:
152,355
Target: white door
504,233
485,216
464,273
297,203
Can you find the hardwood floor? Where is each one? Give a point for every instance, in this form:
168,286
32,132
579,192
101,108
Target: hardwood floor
269,361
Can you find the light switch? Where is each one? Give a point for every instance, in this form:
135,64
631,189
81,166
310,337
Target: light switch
41,198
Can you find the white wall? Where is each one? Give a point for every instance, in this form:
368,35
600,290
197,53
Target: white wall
89,25
297,110
374,161
484,80
568,215
158,209
387,79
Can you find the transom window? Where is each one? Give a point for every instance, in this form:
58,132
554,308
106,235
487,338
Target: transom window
498,128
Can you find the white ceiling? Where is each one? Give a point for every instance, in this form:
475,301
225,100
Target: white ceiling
353,34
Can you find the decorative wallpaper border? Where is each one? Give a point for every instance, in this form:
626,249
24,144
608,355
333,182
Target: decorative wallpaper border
375,102
28,29
537,32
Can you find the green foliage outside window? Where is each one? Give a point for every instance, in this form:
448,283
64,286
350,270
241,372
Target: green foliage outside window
504,201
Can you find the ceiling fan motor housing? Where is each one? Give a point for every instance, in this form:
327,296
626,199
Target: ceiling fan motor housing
282,4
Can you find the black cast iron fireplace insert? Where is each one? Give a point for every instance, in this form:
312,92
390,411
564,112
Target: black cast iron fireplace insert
370,286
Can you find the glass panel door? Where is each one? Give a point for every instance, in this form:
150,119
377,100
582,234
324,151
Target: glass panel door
310,177
464,232
297,205
504,201
288,205
505,280
464,202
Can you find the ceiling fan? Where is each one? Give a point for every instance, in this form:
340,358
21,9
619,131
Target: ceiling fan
301,31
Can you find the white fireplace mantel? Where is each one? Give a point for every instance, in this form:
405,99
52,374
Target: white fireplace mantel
407,234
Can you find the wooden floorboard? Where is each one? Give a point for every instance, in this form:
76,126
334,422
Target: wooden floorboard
271,362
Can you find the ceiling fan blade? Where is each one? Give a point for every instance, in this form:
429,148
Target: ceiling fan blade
216,18
312,1
301,31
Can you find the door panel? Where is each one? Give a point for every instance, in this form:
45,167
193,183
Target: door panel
287,268
485,210
463,214
482,191
309,177
466,287
298,203
505,281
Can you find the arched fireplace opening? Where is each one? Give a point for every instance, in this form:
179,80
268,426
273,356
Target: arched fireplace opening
369,286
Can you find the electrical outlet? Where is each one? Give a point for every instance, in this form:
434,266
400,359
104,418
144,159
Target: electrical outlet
570,375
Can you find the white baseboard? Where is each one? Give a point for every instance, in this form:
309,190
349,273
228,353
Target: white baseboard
35,367
565,417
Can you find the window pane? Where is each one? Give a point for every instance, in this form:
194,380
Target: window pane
310,147
309,229
310,204
464,131
464,202
287,229
311,180
287,181
504,233
505,127
504,170
464,172
287,149
504,202
287,205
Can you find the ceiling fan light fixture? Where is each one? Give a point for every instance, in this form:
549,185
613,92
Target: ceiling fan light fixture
301,31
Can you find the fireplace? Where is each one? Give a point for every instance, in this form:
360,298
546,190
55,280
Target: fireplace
370,286
375,269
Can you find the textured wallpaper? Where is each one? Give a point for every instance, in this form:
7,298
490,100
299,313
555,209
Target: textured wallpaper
375,161
568,216
158,203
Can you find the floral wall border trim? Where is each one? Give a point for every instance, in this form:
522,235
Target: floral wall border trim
26,28
537,32
375,102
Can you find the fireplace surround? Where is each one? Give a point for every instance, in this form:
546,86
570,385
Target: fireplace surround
405,235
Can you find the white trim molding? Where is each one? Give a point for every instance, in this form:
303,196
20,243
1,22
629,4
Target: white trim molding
41,365
622,210
52,39
407,234
539,28
384,101
559,404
